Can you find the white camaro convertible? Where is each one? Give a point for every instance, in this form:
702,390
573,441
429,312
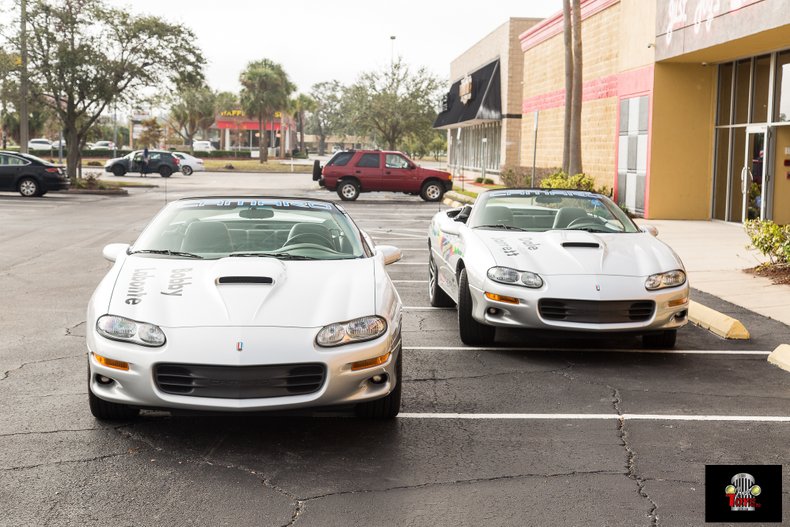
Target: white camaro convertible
554,260
246,304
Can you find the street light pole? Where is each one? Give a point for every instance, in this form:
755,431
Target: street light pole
392,50
24,135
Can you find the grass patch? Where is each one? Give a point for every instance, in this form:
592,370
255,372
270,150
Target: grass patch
468,193
252,165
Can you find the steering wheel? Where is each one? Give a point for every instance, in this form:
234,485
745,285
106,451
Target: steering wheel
591,221
310,237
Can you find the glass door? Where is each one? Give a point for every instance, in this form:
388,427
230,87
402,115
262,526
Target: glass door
753,174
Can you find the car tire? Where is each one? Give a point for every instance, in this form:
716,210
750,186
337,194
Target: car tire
388,406
186,170
107,411
473,333
118,170
348,190
432,191
660,340
29,187
316,170
436,294
165,171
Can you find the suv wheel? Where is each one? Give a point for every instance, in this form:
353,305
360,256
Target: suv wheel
348,190
29,188
165,171
432,191
118,170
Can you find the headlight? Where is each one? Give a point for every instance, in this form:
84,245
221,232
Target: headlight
357,330
668,279
506,275
126,330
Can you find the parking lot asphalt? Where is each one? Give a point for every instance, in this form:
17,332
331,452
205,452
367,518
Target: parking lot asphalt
533,430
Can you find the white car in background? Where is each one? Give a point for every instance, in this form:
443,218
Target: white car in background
561,260
202,146
103,145
39,144
246,304
189,163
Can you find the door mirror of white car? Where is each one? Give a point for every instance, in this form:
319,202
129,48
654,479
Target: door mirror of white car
112,251
651,229
390,253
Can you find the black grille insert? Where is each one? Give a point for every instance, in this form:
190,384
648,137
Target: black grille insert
245,280
596,311
239,382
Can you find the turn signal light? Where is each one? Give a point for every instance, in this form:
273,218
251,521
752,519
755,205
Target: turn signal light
370,363
112,363
502,298
678,302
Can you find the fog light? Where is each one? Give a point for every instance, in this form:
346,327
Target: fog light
502,298
493,311
379,379
370,363
101,379
111,363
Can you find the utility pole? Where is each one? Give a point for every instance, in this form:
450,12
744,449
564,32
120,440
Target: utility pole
24,135
392,50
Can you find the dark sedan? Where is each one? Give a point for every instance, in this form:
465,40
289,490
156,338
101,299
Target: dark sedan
159,161
29,175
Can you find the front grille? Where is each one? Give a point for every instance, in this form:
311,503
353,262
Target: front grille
595,311
239,382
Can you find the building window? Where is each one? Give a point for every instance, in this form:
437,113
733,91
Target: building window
632,153
477,148
782,113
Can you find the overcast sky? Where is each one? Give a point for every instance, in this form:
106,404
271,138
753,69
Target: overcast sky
320,40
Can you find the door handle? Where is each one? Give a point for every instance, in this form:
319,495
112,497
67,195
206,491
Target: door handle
358,171
388,172
744,173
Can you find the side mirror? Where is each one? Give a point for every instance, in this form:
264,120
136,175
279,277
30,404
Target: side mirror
112,251
650,228
390,253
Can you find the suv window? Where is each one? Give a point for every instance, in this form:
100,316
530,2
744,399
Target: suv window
341,159
395,161
369,161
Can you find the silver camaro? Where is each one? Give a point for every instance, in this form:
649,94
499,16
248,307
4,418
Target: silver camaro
246,304
562,260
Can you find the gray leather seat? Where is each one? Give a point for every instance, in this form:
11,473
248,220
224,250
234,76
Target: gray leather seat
566,215
316,229
207,237
496,215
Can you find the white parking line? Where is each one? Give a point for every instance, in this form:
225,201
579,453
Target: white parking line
601,350
409,263
625,417
410,281
410,308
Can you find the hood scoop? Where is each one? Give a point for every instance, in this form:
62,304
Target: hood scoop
585,245
245,280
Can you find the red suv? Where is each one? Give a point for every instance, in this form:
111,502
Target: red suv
353,171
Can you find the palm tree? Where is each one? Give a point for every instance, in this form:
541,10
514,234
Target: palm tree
572,144
302,104
265,90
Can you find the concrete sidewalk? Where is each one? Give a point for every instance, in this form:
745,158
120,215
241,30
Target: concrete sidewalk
715,255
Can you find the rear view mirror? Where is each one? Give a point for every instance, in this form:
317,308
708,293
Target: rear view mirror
390,253
650,228
257,214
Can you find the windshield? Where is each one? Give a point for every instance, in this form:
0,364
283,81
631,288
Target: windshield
250,227
544,210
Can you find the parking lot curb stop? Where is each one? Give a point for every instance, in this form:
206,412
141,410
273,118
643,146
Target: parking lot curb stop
722,325
780,357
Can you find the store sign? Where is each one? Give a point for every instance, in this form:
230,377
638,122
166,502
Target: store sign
231,113
465,89
445,104
695,15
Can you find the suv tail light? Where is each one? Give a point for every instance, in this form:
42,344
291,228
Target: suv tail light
178,161
52,170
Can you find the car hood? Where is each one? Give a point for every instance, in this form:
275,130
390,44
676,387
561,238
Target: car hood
561,252
182,293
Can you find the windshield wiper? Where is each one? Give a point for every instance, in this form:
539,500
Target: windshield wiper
500,226
587,229
167,252
281,256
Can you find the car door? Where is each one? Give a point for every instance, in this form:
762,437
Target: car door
368,171
135,161
154,161
8,172
399,174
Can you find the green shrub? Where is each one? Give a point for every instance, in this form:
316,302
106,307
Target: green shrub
562,180
515,176
770,239
95,163
484,181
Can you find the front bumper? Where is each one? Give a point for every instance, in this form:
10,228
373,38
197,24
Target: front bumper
260,346
526,313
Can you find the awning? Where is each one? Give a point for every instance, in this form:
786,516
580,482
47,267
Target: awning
484,102
223,124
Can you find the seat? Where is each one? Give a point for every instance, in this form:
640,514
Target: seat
566,215
310,233
207,237
496,215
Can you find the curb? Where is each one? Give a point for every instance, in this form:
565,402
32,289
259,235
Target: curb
780,357
454,199
718,323
113,192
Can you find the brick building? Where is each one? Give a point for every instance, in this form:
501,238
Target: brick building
686,110
482,109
